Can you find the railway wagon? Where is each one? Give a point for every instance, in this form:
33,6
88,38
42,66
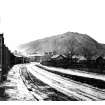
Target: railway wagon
7,59
1,54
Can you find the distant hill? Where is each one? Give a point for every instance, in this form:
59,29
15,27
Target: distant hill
103,45
79,44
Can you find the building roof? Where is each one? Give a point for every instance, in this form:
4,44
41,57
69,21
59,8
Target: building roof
79,57
82,58
95,57
34,55
18,56
104,57
56,56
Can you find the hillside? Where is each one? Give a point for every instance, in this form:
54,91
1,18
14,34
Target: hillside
79,44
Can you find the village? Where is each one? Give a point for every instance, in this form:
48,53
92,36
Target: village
95,64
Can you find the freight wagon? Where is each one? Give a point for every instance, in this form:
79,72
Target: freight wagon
7,59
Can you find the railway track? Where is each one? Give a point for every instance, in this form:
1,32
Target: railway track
60,88
69,77
84,92
24,81
40,90
74,72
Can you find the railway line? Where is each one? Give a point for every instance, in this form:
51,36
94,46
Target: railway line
93,83
62,88
40,90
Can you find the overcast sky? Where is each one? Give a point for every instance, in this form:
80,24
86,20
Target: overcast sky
24,20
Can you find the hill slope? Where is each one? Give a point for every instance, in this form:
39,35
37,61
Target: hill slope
79,44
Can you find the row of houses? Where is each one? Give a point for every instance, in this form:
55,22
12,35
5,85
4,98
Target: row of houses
42,57
75,58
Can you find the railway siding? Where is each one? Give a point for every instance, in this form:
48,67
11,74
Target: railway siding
78,87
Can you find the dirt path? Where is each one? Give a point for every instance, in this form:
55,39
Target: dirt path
14,88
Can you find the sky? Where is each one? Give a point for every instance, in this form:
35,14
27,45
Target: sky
22,21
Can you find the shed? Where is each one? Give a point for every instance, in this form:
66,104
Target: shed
58,57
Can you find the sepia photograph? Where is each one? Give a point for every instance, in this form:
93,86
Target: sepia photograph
52,50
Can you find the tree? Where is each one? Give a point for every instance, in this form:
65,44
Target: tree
71,49
86,53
